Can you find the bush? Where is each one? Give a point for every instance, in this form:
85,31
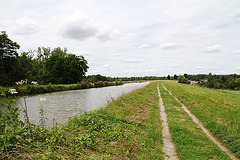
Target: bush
86,84
13,131
182,79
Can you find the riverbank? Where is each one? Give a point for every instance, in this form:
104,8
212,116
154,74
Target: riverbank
39,89
127,128
130,127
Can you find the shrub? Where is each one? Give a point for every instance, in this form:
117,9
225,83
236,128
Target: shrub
12,129
101,84
86,84
106,83
182,79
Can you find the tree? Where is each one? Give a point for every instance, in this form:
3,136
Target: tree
8,60
96,78
185,75
8,48
182,79
210,82
168,77
63,68
25,65
175,76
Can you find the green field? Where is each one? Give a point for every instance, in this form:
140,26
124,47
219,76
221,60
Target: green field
218,110
130,128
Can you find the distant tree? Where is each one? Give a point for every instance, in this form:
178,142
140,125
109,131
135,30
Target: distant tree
175,76
8,60
231,83
168,77
210,82
25,65
185,75
96,78
237,84
182,79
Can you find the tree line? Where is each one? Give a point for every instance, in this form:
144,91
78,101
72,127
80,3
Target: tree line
231,81
55,66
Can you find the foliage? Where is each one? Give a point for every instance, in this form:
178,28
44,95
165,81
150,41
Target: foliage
175,76
231,81
95,78
183,79
7,46
8,60
13,131
128,128
48,66
27,89
63,68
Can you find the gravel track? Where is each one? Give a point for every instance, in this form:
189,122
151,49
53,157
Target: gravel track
168,145
205,130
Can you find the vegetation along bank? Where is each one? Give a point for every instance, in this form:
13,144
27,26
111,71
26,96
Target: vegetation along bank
127,128
27,89
130,127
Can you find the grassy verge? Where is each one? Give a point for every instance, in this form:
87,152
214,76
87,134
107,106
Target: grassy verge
127,128
38,89
218,110
190,141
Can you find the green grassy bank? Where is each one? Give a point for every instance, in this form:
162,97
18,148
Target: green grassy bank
190,141
219,110
38,89
127,128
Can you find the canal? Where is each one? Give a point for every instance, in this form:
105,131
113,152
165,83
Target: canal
60,106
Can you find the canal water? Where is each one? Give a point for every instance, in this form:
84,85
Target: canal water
61,106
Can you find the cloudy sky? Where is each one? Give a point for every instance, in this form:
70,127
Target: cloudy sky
132,37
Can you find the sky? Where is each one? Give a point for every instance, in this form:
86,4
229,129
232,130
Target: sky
125,38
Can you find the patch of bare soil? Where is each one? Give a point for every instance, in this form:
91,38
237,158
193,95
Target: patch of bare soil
168,145
205,130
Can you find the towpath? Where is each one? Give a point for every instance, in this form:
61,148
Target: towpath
205,130
168,145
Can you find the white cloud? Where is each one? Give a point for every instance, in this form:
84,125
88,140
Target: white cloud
144,45
135,35
236,52
105,66
80,27
211,49
25,26
198,67
171,46
132,60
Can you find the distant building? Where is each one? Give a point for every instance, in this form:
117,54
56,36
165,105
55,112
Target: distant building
204,80
193,82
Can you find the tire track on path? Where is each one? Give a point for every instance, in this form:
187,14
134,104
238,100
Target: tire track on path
168,145
205,130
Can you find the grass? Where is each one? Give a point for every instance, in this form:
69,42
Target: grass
190,141
218,110
28,89
130,128
127,128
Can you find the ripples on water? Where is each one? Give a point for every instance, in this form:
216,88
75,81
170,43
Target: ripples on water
63,105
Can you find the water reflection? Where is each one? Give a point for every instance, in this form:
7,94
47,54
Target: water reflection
63,105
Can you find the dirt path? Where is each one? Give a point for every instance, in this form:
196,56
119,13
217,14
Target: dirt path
205,130
168,145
